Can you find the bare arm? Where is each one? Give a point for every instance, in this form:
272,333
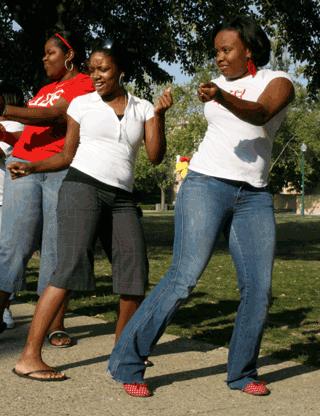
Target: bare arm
36,116
57,162
155,139
9,137
277,95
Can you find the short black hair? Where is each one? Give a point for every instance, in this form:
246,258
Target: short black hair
251,34
118,52
76,42
11,94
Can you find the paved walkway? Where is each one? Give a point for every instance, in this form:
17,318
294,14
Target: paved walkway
187,379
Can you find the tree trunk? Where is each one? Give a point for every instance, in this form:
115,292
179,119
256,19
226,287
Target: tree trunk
163,199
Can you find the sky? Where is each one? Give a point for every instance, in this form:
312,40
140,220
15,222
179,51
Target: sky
176,71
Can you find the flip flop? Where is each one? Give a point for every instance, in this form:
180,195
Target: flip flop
30,376
59,334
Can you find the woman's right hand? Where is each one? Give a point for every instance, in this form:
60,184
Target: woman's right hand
207,92
164,102
20,169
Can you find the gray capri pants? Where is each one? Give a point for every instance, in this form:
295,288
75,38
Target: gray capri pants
83,210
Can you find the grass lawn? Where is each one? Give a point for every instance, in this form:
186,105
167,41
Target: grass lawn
293,327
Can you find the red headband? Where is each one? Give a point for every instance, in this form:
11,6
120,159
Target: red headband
63,40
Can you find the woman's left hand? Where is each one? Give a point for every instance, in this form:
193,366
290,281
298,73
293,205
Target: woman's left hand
164,102
19,169
207,91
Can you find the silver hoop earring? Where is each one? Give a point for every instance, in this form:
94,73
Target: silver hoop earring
121,79
68,65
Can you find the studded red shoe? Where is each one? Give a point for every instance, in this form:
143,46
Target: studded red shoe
256,388
137,389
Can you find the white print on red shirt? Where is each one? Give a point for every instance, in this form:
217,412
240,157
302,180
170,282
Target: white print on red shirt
46,100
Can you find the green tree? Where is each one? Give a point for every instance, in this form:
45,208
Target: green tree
302,125
185,127
168,30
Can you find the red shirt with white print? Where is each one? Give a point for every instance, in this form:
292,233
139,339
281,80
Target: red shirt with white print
40,142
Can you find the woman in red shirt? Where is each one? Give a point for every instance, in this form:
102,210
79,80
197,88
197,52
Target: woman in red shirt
29,206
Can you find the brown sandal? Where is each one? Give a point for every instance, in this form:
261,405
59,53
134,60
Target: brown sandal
59,334
30,376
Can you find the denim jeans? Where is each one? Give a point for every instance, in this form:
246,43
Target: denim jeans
204,206
29,223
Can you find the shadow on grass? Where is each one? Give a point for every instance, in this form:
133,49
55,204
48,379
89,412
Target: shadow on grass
193,315
290,318
298,250
296,238
197,318
93,310
299,230
309,350
29,295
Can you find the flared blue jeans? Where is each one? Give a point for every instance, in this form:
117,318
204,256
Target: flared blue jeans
205,205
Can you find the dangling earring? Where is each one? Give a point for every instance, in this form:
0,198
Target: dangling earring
68,65
252,69
121,77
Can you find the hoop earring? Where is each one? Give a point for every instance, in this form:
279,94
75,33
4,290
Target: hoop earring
252,69
67,66
121,79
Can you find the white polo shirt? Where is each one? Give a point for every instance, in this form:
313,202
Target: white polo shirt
108,147
232,148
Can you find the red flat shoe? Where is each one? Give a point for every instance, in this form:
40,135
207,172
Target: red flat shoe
256,388
137,389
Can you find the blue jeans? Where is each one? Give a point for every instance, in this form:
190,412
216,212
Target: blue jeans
29,223
204,206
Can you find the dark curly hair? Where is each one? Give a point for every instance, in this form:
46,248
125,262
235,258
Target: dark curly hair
252,36
119,53
77,44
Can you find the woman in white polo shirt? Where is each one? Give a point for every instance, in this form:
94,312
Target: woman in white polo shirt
105,131
226,186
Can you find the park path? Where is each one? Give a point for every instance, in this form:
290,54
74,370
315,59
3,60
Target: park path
187,379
